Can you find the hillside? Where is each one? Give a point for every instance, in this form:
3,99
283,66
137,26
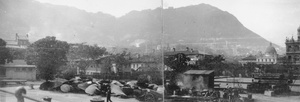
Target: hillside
196,26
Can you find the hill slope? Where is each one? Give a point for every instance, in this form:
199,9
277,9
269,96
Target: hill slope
194,26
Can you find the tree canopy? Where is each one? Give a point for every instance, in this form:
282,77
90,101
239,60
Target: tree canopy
82,56
5,55
48,54
178,62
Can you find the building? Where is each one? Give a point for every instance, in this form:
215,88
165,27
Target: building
197,79
18,70
194,55
20,41
144,63
269,57
293,49
248,59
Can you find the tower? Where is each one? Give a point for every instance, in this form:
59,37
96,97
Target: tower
293,49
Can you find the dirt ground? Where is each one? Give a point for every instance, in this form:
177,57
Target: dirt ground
56,96
73,97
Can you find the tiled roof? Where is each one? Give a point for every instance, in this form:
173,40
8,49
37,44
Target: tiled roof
11,42
23,37
17,66
184,52
249,58
199,72
17,62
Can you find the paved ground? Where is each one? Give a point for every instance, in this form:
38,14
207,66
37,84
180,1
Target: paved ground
56,96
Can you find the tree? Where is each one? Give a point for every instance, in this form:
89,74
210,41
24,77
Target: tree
48,54
179,64
5,56
121,61
82,56
211,63
249,68
67,71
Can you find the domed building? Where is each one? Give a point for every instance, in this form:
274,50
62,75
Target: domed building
293,48
269,57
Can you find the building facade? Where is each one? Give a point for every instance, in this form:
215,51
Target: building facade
194,55
20,41
269,57
18,70
293,49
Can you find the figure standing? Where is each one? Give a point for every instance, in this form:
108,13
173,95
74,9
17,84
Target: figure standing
108,94
19,93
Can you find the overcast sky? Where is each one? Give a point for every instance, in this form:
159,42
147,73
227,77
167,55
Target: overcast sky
272,19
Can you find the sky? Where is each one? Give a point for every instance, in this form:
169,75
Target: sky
272,19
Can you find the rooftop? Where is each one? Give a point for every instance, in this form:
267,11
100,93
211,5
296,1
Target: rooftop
199,72
251,57
18,66
184,52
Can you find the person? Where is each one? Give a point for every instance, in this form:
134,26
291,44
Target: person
19,93
108,94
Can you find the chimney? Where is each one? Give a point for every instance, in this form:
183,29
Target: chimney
174,49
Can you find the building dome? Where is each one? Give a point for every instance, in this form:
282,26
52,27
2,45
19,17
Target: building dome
270,50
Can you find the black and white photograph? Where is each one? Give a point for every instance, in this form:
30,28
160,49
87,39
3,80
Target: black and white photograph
149,50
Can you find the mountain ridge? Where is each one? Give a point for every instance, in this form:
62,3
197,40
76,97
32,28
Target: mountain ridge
184,25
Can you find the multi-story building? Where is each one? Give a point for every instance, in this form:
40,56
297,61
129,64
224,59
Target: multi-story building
144,63
20,41
293,49
194,55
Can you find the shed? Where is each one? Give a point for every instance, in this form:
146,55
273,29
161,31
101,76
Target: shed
208,76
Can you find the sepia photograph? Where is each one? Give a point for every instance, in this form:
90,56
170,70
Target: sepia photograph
149,50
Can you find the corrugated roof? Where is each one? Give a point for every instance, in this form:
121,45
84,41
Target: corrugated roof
200,72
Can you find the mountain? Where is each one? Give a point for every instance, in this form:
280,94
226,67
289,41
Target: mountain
197,26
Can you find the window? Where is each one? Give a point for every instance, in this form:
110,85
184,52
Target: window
23,69
2,71
29,69
17,69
